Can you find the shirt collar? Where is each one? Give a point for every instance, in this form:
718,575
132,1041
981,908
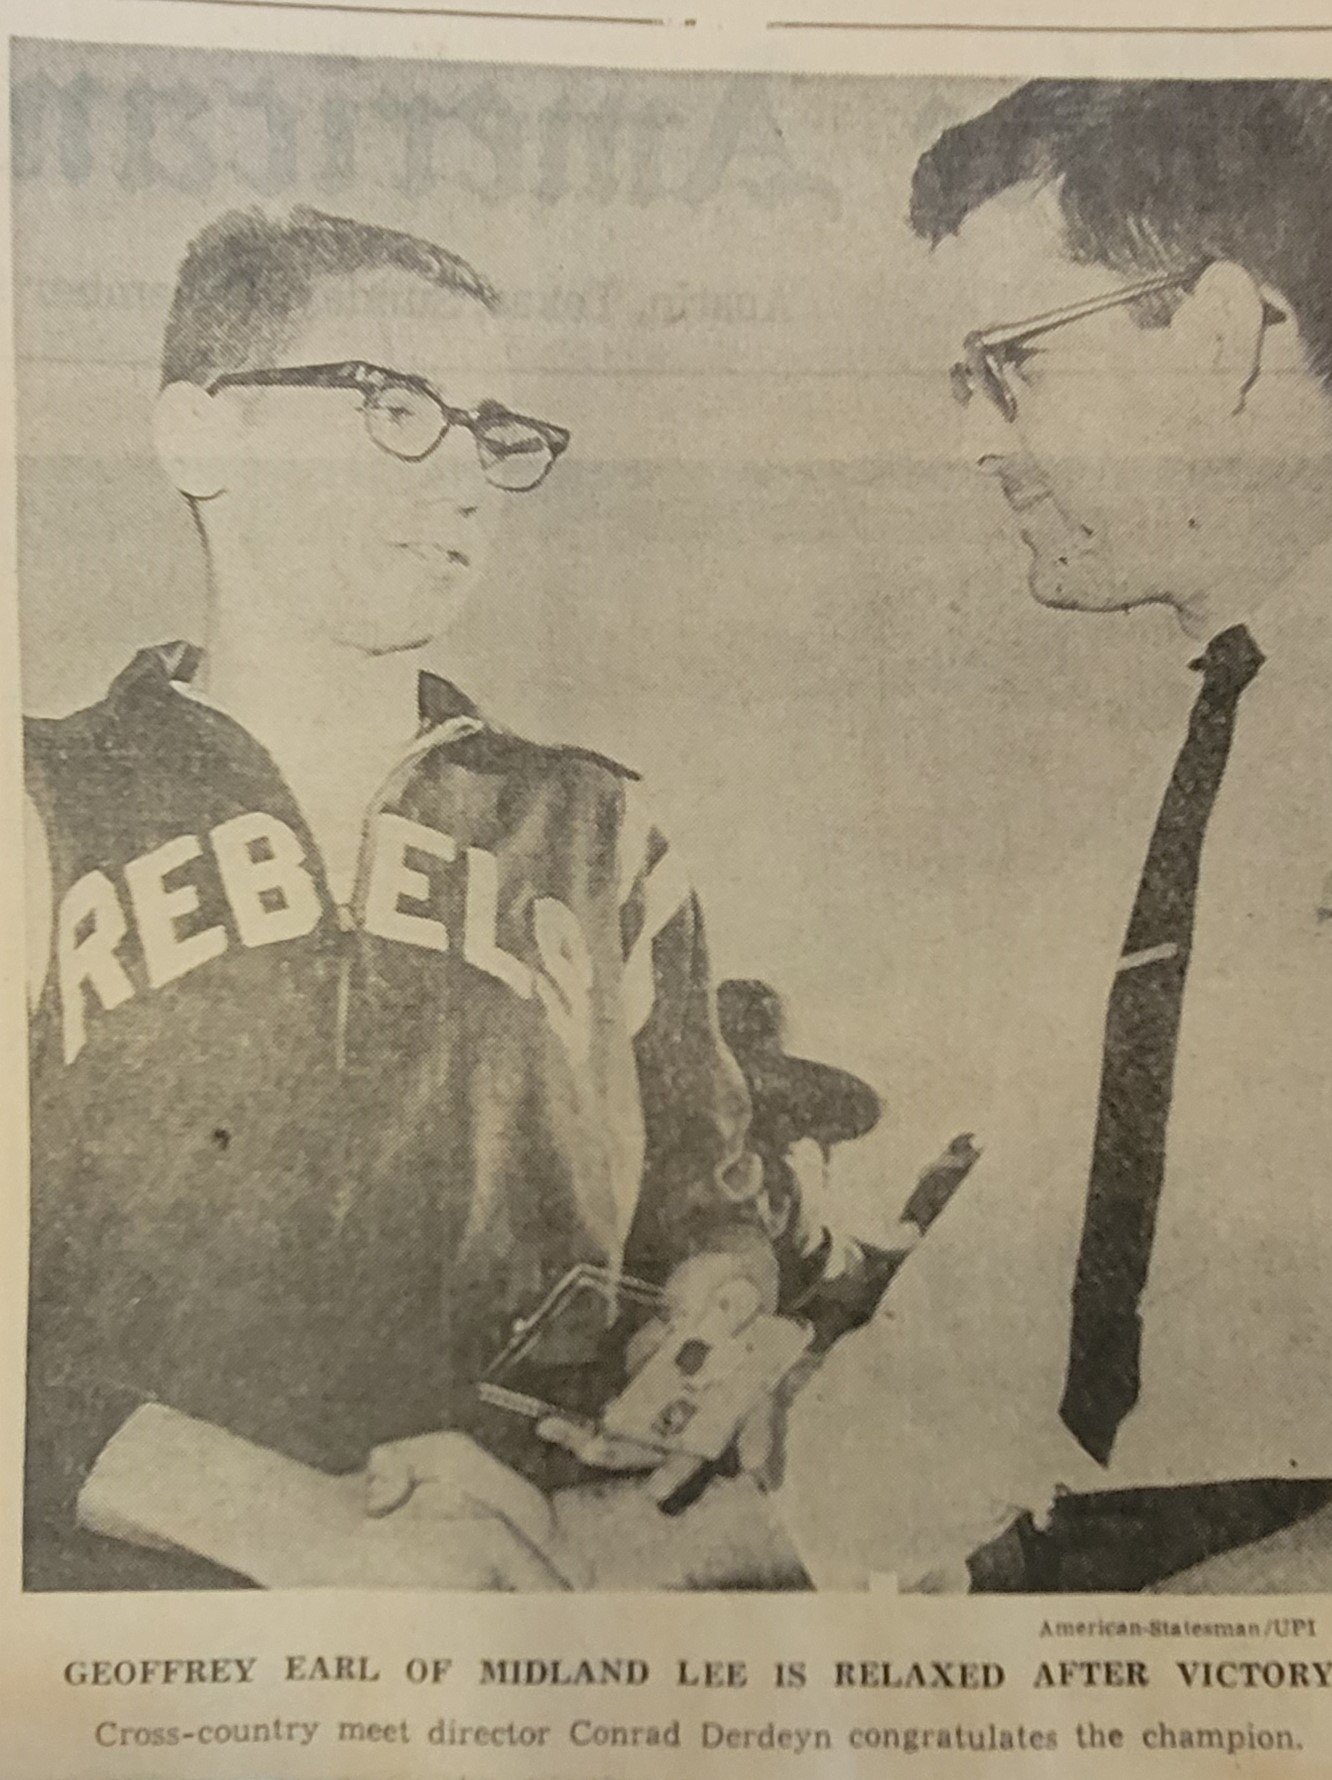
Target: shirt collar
438,701
1293,622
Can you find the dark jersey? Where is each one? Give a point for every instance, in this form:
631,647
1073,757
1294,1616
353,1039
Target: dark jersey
297,1166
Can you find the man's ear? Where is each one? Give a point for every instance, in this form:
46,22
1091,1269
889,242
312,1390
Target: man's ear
190,430
1221,323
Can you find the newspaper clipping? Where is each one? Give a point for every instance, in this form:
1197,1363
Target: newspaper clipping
667,725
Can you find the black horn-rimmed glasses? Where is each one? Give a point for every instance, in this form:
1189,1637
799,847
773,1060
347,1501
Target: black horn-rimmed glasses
406,416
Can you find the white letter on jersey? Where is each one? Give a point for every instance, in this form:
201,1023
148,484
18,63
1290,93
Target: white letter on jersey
565,986
665,891
92,959
248,879
40,894
391,878
157,911
481,925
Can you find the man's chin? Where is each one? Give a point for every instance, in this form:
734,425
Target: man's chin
407,625
380,640
1077,585
401,646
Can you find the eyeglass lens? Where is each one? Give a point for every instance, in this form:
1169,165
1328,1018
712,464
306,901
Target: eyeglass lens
404,421
409,423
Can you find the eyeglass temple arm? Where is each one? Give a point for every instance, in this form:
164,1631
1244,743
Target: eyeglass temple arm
338,376
1011,333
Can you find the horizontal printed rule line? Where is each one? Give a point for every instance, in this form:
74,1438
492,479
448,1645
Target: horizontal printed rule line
890,25
433,12
1048,30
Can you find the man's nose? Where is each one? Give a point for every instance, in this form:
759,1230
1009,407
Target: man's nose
988,433
444,504
456,464
452,477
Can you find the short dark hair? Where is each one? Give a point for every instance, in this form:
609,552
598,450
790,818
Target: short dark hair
1153,171
247,279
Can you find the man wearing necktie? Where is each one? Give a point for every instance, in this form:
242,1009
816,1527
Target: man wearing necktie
1110,1361
1121,1330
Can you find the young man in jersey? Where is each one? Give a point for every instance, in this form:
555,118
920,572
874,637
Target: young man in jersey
357,1020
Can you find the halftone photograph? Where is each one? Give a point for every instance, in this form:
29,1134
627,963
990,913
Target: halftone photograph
678,748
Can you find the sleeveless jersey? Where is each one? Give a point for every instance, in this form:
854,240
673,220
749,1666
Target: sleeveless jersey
297,1167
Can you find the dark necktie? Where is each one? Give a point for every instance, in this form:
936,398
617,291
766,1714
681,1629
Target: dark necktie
1138,1064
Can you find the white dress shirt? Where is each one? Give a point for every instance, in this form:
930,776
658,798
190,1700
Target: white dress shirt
925,1431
